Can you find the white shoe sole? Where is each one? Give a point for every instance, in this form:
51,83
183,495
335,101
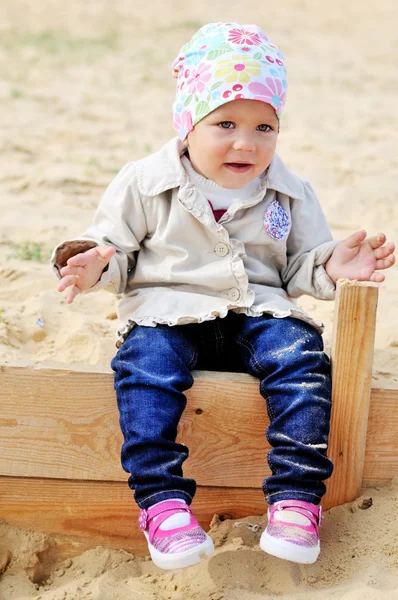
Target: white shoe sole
181,560
288,551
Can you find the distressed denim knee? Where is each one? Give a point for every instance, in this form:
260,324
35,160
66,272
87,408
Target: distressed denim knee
287,356
152,371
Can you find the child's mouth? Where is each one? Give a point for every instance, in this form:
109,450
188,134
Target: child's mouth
238,167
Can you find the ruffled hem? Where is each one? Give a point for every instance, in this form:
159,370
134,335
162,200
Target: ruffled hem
282,314
187,320
153,321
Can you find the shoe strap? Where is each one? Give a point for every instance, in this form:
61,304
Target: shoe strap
162,511
312,512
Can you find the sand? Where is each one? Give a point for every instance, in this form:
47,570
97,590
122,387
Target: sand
359,561
86,87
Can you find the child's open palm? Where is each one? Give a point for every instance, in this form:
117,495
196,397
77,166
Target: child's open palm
83,270
358,257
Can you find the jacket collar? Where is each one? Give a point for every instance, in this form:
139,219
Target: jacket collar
163,171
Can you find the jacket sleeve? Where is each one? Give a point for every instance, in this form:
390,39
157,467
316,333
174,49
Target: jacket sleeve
309,247
120,222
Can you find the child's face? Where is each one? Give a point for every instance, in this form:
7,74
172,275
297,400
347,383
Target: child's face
235,143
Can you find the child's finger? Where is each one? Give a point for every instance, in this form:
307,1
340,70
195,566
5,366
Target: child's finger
67,281
79,260
70,270
378,277
377,240
105,251
74,291
385,263
355,239
384,251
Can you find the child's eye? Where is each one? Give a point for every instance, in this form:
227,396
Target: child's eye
264,127
226,124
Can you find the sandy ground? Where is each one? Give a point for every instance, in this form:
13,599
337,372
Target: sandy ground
86,87
359,561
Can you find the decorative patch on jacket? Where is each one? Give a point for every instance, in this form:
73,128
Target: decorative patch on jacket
276,221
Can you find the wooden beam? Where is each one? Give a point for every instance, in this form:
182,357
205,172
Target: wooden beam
352,359
61,419
381,452
62,422
65,424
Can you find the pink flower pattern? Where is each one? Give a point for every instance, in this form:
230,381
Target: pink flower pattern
243,36
198,79
183,123
272,93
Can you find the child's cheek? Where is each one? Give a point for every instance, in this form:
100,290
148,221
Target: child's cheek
220,150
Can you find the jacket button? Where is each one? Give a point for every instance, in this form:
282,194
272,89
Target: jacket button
221,249
234,294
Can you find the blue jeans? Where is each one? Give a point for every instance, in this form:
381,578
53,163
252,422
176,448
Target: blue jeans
153,370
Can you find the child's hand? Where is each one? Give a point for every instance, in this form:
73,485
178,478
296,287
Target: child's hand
358,257
83,270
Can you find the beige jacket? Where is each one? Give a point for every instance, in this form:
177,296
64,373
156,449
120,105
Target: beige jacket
174,264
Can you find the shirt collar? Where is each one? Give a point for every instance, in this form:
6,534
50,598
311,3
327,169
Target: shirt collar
163,171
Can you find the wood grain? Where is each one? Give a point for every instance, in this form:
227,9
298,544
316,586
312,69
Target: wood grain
352,359
83,514
60,423
381,451
63,423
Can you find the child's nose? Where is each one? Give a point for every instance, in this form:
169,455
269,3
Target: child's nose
244,143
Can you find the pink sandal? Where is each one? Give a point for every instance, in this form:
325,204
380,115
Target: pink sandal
289,540
178,547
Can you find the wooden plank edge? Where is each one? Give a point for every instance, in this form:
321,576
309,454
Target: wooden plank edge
85,514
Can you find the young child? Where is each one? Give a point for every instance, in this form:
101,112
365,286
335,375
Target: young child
208,241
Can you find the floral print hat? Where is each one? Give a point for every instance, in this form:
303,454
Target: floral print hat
225,62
